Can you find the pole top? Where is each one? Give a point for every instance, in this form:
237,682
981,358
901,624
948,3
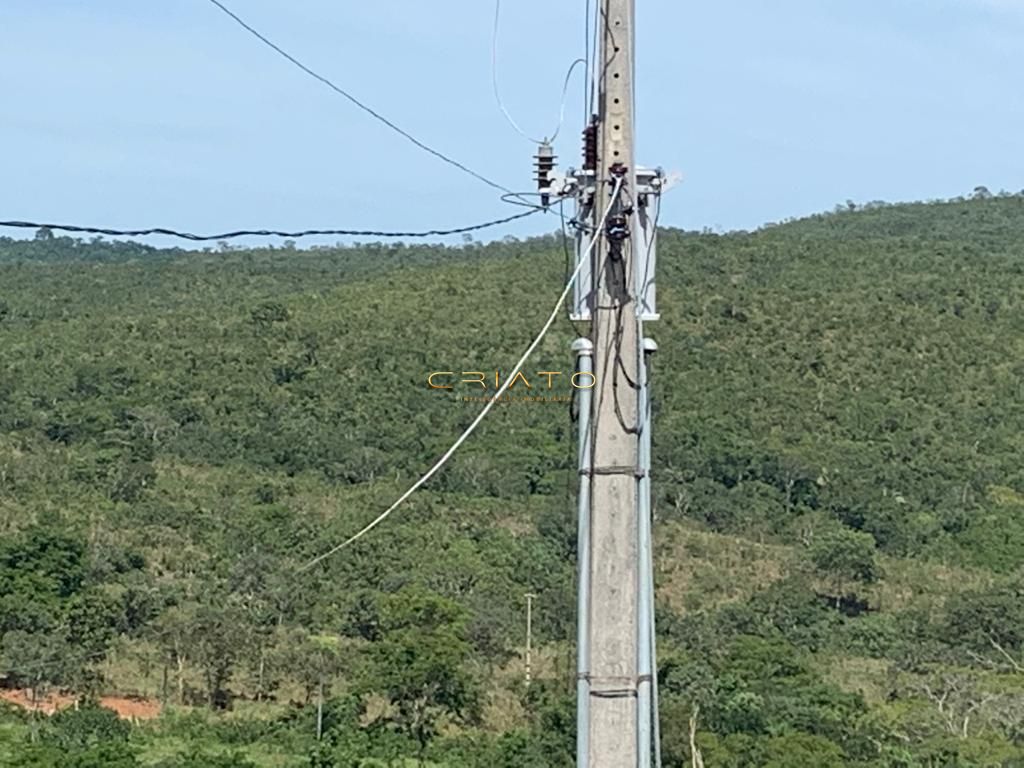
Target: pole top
650,346
583,346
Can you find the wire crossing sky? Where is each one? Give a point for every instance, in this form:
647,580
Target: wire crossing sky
356,102
125,113
84,230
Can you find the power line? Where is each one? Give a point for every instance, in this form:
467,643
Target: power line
494,77
519,198
565,93
265,232
497,89
598,233
372,112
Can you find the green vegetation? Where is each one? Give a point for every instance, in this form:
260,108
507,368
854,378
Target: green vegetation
840,499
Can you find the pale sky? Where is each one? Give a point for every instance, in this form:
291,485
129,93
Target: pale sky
125,113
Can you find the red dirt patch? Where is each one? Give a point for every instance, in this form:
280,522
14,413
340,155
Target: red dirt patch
47,704
127,708
132,708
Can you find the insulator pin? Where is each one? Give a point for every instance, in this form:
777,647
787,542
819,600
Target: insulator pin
590,145
544,163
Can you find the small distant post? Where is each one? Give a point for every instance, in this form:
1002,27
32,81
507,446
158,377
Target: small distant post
529,633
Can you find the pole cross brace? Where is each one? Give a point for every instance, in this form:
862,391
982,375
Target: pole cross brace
620,693
628,686
639,678
613,470
628,691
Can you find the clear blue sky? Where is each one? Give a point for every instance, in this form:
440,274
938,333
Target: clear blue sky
125,113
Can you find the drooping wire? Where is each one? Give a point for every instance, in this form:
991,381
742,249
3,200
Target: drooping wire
487,407
497,89
373,113
565,92
522,201
494,76
265,232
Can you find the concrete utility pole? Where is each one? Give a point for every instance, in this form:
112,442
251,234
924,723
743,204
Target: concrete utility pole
617,204
614,564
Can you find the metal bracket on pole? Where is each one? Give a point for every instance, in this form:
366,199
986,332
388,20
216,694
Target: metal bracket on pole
650,184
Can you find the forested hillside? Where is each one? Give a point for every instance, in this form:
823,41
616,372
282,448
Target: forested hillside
838,477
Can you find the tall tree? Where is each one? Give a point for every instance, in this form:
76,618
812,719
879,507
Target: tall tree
421,664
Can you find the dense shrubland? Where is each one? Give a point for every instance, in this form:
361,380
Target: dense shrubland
840,499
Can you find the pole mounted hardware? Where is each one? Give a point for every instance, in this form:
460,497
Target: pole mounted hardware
544,165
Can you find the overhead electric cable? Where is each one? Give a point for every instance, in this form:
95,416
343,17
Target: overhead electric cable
490,403
565,93
522,202
370,111
497,89
265,232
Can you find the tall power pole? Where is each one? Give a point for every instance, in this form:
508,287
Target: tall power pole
614,564
616,250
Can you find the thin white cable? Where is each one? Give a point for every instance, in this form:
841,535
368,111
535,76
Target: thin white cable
565,93
497,89
490,404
